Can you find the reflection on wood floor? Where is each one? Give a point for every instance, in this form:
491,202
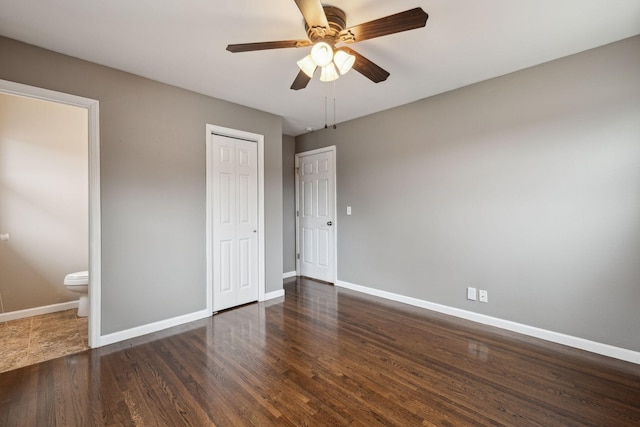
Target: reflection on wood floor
325,356
35,339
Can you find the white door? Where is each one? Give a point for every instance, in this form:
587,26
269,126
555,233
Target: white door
235,221
316,215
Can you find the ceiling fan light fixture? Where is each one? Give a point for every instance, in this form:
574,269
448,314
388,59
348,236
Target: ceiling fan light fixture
322,54
325,26
307,65
344,61
329,73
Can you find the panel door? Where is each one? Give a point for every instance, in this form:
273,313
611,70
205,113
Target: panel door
316,231
235,222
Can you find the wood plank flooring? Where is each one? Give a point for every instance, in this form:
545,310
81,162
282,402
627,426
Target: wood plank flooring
325,356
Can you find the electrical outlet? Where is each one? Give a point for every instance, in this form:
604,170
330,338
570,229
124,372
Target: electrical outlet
471,294
484,296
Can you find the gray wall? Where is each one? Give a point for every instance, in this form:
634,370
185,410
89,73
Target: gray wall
527,185
153,182
288,203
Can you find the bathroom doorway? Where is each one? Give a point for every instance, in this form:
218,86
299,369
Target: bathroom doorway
89,109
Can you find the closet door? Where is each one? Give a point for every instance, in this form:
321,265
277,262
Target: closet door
235,222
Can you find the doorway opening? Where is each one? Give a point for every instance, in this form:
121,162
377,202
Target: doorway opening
94,237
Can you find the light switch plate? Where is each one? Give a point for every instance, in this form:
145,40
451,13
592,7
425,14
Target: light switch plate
472,294
348,210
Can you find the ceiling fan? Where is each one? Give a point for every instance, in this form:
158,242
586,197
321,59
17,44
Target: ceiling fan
326,28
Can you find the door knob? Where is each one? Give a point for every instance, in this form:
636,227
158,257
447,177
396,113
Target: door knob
329,223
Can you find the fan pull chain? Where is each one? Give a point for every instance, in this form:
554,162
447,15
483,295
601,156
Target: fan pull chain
334,104
325,112
334,113
326,108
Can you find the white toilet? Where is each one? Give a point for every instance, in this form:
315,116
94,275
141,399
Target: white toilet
79,282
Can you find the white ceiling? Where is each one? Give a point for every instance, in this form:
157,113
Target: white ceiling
183,43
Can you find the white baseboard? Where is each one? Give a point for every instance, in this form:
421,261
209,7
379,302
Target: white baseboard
151,327
274,294
165,324
37,311
568,340
289,274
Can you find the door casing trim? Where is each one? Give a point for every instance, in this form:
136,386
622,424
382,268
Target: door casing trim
95,237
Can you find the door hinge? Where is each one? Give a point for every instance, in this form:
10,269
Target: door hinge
297,256
297,213
297,171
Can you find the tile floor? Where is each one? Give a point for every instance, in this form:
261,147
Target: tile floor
35,339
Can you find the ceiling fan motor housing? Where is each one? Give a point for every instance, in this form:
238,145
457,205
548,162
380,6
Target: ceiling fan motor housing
337,22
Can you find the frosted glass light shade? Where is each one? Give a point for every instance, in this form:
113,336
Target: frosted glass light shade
344,61
322,54
329,73
307,65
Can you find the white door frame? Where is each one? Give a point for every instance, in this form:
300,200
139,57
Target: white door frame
259,140
95,257
332,149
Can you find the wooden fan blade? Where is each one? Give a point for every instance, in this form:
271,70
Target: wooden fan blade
301,81
403,21
313,13
248,47
367,68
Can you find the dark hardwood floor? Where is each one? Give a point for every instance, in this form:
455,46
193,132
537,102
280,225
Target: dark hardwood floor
325,356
